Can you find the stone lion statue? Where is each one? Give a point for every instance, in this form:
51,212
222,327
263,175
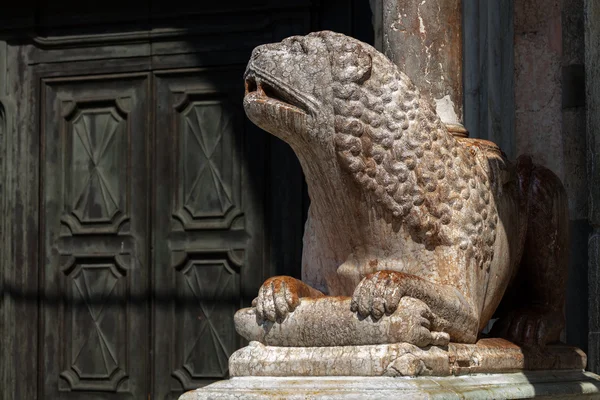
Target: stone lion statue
413,234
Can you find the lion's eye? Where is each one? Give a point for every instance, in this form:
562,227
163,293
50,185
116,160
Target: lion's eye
350,48
304,46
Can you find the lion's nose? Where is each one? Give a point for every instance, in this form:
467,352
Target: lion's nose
259,50
256,52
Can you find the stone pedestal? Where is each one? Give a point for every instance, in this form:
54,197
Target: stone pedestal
489,369
538,384
402,359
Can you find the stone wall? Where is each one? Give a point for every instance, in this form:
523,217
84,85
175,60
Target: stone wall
550,123
574,168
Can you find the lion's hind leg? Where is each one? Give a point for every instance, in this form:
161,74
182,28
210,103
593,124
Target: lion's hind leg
537,295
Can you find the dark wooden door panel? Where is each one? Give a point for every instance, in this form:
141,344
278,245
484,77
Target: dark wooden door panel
207,232
95,225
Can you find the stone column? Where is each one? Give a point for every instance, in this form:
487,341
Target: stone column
424,39
592,79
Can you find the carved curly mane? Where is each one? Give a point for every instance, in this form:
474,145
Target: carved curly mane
397,149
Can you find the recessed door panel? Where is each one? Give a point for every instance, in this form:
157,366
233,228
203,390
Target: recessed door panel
94,187
207,238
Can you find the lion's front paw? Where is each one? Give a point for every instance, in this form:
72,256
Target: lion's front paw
377,294
277,297
417,322
382,293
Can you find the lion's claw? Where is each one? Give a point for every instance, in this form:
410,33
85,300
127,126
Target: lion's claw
277,297
376,295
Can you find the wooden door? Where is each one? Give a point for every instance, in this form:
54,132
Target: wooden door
143,207
94,218
207,224
153,232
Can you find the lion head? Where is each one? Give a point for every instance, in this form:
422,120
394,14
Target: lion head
332,95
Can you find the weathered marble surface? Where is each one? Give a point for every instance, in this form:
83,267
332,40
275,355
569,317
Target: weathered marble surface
400,208
542,384
401,359
329,321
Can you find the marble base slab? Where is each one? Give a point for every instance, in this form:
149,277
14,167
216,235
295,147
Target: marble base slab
401,359
537,384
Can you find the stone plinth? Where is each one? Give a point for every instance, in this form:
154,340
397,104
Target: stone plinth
491,368
401,359
541,384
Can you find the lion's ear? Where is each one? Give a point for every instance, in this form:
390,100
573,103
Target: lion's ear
352,63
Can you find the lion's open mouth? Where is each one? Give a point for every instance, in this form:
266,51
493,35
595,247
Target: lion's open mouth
259,90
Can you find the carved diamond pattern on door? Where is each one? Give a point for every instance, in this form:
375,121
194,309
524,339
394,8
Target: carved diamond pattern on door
208,174
96,198
93,358
209,340
205,126
94,134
